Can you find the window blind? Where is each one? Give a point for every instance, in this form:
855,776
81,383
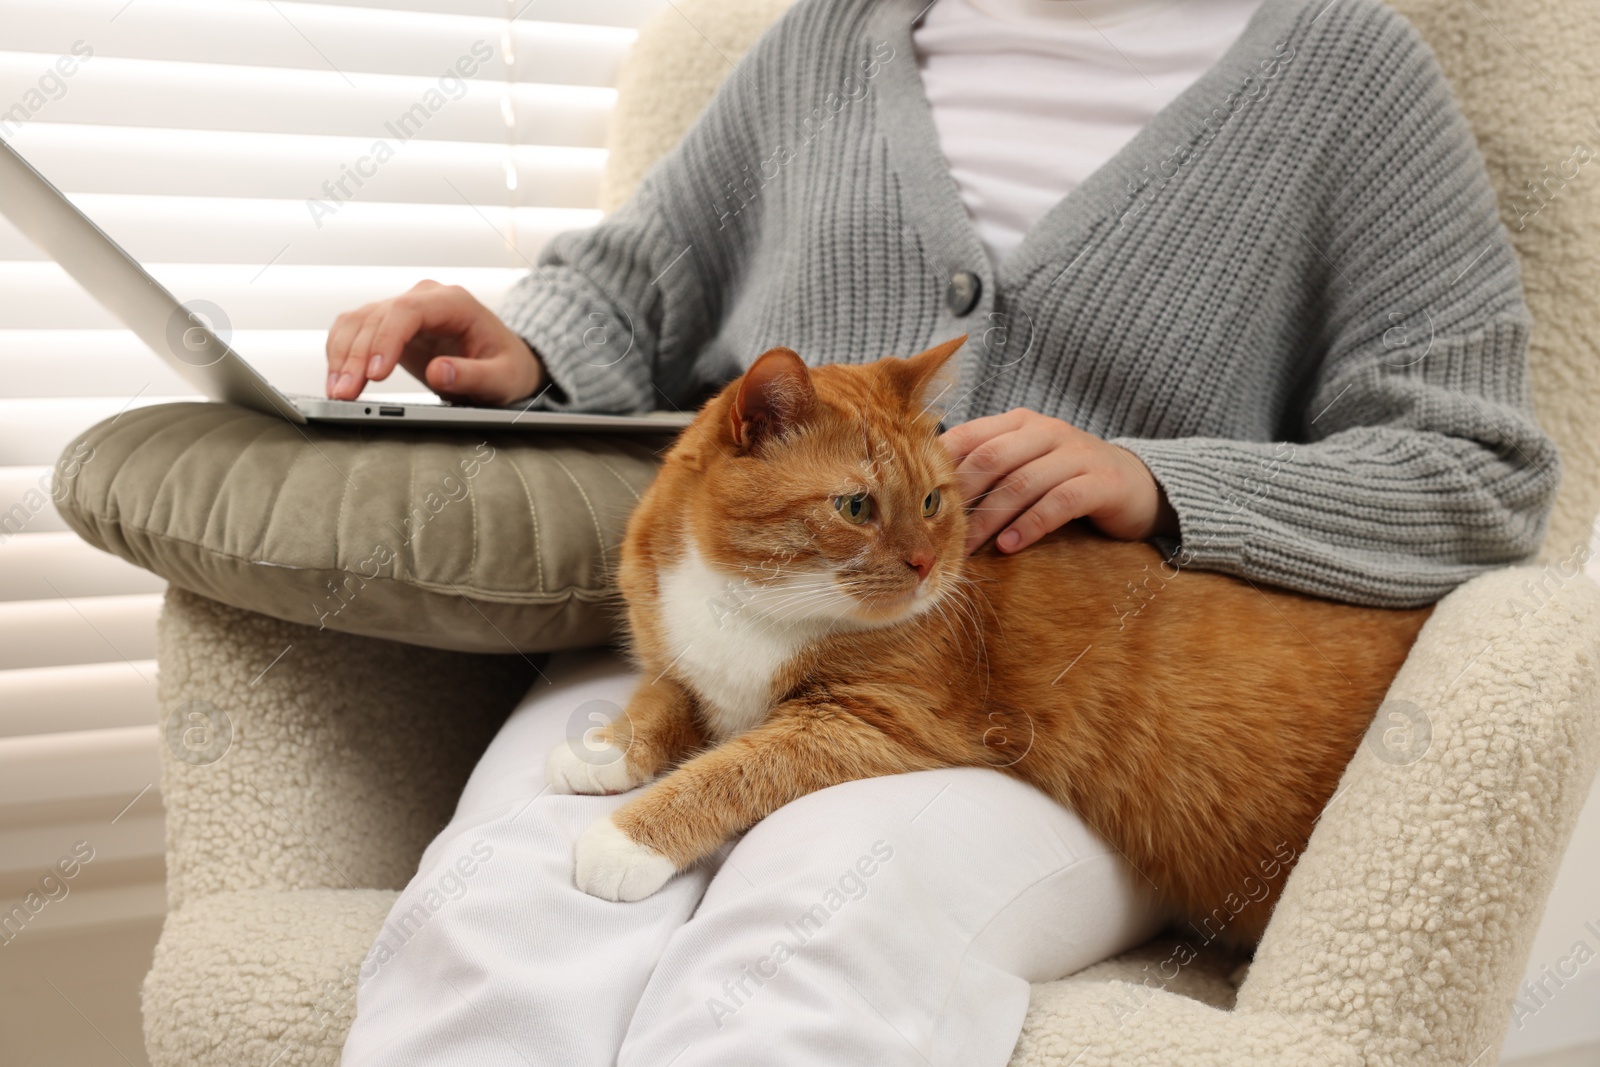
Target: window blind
284,161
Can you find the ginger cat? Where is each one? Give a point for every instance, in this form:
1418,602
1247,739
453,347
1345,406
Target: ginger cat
803,615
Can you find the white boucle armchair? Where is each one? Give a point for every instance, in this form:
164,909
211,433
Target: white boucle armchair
1403,932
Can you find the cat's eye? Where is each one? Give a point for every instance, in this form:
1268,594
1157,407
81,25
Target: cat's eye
930,504
856,509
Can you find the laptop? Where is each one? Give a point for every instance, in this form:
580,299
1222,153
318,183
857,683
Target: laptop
181,336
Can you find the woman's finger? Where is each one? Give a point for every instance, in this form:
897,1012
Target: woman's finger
422,350
962,439
402,322
353,373
340,334
445,311
1063,502
989,465
1015,493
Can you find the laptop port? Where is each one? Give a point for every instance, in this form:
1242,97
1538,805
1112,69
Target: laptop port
392,411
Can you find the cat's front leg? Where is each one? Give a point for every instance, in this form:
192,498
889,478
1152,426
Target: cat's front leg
689,814
657,730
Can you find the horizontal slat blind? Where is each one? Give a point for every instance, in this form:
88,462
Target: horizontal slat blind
285,161
41,768
85,696
625,13
284,36
58,632
34,430
204,96
289,166
292,296
190,229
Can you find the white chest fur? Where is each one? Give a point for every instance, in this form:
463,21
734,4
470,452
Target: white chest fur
728,650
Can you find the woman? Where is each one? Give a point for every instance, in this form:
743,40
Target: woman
1236,283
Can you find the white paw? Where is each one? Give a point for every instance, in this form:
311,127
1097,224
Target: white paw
613,866
574,767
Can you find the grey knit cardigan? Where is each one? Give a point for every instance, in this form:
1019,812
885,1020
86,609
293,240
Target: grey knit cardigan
1290,294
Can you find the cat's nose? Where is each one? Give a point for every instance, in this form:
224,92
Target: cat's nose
921,562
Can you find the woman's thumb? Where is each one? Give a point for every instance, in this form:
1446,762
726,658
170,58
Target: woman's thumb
483,381
456,377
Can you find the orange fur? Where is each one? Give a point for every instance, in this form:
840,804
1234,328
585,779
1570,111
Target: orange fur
1198,722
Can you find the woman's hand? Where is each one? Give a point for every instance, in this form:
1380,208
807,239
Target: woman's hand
1030,474
442,335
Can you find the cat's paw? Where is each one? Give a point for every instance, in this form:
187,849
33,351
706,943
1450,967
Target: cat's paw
611,865
591,772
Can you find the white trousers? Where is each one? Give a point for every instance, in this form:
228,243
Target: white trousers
893,921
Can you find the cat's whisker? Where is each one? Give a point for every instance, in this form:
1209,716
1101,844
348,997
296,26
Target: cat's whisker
781,614
801,596
956,604
776,566
835,584
838,588
792,598
815,579
995,488
797,612
959,601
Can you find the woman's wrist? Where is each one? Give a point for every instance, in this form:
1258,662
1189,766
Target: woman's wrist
540,377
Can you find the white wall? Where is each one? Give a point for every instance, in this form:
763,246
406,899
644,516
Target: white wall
1566,1011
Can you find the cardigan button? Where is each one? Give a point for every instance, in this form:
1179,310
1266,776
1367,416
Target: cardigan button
962,295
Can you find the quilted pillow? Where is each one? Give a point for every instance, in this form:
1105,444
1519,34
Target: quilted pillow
466,540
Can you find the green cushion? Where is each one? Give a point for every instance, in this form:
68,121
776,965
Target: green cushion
479,542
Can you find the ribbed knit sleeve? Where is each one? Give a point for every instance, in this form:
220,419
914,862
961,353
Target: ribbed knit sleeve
618,313
1415,463
596,315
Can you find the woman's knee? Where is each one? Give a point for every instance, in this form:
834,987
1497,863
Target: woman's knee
967,857
934,823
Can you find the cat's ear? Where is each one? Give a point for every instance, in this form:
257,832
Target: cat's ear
774,394
925,378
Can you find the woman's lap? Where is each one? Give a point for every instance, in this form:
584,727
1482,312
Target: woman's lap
887,920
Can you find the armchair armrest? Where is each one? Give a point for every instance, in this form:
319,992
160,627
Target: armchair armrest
299,758
1405,926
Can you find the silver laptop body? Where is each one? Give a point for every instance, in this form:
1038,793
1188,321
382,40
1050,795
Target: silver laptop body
182,338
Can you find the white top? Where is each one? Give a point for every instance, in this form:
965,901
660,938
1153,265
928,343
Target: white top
1031,96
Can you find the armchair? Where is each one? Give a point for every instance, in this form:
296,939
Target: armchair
1400,938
